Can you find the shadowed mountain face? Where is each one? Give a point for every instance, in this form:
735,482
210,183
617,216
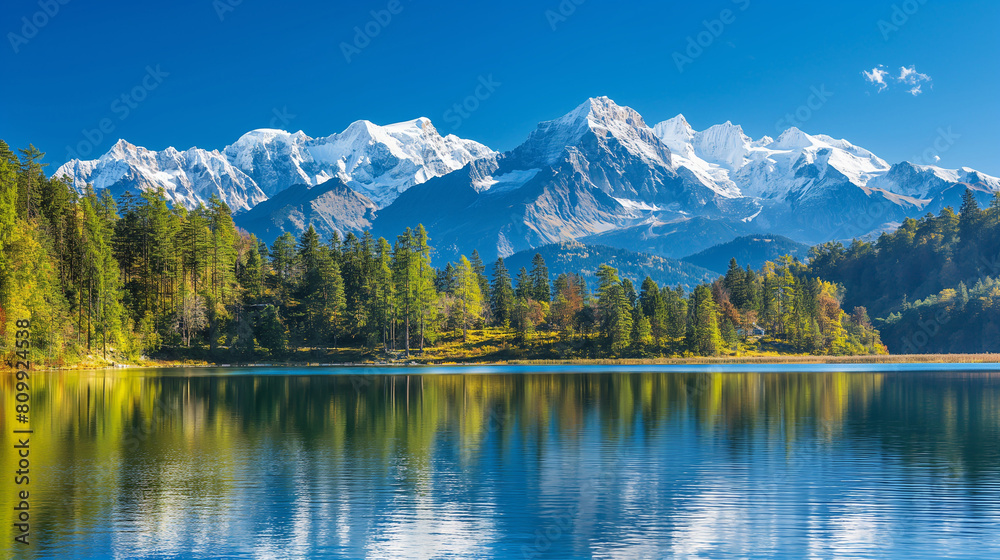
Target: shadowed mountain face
542,206
598,169
329,207
675,237
599,175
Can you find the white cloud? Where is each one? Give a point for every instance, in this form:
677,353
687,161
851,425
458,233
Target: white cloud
908,76
877,76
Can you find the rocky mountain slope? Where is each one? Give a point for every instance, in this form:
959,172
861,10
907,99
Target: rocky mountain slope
332,206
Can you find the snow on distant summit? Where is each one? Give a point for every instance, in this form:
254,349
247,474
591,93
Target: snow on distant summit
273,158
186,178
380,162
766,168
619,153
597,169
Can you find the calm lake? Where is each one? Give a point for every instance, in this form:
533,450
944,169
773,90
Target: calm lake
556,462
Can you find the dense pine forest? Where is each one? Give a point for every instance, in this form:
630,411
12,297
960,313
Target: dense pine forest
116,280
934,283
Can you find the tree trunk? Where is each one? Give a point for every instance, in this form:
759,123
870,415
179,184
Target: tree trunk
90,308
79,320
407,335
104,331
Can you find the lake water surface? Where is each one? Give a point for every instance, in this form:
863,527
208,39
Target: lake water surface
556,462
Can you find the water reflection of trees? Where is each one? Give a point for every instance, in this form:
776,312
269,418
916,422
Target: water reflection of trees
107,411
134,439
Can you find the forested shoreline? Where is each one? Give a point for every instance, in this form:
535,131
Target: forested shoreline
133,277
933,284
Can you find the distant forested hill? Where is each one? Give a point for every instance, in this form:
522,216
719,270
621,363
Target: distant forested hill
933,282
752,250
576,258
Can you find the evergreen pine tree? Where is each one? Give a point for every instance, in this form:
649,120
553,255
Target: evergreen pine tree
426,294
704,339
524,286
541,290
971,218
615,310
469,296
480,269
251,276
501,295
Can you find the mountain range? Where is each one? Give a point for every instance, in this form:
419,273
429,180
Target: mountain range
597,175
378,162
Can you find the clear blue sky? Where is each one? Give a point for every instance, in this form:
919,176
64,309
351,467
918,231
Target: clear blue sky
232,74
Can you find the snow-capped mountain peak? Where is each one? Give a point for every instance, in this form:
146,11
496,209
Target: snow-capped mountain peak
384,161
599,118
925,182
701,152
767,168
724,144
677,134
272,157
377,161
122,146
187,178
793,139
603,111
